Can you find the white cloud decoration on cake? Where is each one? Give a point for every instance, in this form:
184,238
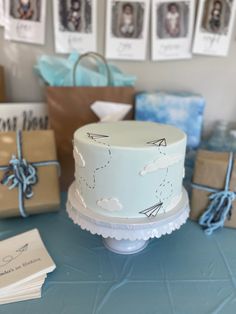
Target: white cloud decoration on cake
110,204
81,199
161,163
79,158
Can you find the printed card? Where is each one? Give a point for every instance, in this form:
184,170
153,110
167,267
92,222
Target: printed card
25,20
214,27
75,25
22,259
127,29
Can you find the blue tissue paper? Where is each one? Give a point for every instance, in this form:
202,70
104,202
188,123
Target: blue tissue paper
57,71
183,110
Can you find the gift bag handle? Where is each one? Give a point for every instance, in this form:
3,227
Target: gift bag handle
95,56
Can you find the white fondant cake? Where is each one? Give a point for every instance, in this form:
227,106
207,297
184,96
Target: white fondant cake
129,169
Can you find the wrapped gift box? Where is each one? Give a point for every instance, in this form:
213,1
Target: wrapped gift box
2,85
37,147
210,170
183,110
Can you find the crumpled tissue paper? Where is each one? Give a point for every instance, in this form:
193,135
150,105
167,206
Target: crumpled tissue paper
57,71
110,111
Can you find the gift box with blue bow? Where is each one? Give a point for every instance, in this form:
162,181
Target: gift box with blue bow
28,173
213,200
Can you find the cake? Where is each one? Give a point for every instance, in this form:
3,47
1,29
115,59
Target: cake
129,169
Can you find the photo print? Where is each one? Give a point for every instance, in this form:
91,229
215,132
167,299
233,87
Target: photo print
75,25
126,30
214,27
25,20
2,12
172,29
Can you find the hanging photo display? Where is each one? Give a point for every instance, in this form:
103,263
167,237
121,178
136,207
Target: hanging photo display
25,20
75,25
127,29
172,28
1,12
214,27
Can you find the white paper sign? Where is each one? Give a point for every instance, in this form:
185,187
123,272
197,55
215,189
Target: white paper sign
25,117
127,29
75,25
214,27
2,12
25,21
172,28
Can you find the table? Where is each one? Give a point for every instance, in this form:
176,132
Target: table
186,272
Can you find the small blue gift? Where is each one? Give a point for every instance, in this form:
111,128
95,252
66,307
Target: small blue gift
183,110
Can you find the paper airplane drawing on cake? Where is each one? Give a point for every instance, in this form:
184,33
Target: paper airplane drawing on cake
159,142
152,211
94,136
9,258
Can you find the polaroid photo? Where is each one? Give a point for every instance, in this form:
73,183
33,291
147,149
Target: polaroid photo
2,5
127,29
25,20
172,29
75,25
214,27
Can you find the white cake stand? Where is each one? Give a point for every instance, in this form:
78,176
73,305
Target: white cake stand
126,236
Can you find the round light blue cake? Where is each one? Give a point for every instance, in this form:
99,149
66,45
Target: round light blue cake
129,169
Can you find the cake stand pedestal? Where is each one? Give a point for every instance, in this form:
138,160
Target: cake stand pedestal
127,236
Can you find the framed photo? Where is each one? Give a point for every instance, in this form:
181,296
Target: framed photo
26,117
25,20
127,29
172,29
75,24
2,12
214,27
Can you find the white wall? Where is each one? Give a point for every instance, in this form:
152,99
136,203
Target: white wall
214,78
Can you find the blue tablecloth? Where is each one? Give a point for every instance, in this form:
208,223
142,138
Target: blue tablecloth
186,272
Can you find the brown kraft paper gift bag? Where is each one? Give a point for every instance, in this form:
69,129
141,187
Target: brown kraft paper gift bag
69,109
210,170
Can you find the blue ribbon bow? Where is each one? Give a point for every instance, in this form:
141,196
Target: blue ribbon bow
221,202
22,175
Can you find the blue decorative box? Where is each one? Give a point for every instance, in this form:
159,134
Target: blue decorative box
183,110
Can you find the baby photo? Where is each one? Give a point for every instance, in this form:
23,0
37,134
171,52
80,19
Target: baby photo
127,19
216,16
1,13
173,19
214,27
172,28
75,16
25,10
75,25
25,21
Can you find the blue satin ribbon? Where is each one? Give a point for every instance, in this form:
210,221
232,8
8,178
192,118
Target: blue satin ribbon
221,201
22,175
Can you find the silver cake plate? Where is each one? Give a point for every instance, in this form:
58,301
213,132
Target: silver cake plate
127,236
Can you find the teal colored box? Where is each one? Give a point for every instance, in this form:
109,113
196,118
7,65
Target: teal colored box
183,110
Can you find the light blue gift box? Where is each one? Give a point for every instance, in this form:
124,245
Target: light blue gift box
183,110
